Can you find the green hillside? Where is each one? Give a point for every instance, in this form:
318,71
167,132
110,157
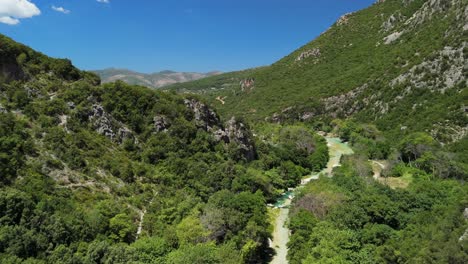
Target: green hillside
116,173
362,67
195,172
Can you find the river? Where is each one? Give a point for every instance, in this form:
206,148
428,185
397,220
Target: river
336,149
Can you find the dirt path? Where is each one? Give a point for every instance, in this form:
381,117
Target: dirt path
142,217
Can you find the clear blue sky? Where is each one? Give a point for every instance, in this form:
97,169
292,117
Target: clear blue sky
181,35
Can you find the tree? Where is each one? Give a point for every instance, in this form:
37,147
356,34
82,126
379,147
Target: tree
122,228
415,145
191,231
14,145
200,253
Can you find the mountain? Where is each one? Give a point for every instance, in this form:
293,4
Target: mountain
391,80
400,64
118,173
154,80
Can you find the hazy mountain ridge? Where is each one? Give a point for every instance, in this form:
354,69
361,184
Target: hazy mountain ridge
153,80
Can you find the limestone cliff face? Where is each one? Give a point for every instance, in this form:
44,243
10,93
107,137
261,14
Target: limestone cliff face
233,131
238,132
106,125
205,117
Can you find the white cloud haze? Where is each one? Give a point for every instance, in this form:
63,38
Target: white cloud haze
103,1
11,11
60,9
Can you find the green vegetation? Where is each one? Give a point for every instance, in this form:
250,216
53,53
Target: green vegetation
351,218
117,173
395,102
369,223
352,71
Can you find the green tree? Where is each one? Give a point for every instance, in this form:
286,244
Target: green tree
122,228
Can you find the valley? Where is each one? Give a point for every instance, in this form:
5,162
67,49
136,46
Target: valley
280,237
351,149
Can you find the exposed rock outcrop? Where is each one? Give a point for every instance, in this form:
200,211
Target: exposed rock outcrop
428,10
344,19
448,133
392,37
294,113
247,85
63,121
71,105
314,53
10,69
32,92
232,131
448,64
205,117
423,14
238,132
465,235
161,123
3,109
391,22
106,125
345,104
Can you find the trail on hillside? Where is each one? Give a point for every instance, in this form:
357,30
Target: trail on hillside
142,214
336,149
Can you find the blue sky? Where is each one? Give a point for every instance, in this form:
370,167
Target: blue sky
181,35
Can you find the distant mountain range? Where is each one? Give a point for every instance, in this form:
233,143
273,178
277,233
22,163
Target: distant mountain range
154,80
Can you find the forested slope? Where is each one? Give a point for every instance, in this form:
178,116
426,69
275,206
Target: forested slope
115,173
392,81
400,64
412,209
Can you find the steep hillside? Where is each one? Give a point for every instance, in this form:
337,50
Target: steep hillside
399,63
154,80
116,173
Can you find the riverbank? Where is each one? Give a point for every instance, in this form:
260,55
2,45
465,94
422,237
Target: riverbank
336,149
